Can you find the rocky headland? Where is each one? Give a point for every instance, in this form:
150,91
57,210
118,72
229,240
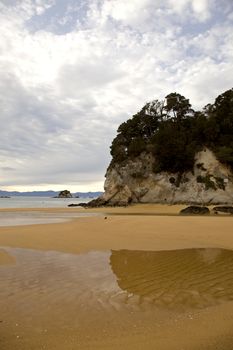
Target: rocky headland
168,153
210,182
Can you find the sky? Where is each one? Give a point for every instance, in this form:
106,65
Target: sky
72,70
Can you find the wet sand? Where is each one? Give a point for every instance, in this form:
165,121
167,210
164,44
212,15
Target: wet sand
5,258
128,281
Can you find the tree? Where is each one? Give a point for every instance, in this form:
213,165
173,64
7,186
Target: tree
219,131
174,132
119,148
225,154
173,149
177,107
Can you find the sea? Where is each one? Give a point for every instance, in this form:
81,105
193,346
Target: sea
40,202
29,217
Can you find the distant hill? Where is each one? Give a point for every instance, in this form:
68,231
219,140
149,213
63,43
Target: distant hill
49,194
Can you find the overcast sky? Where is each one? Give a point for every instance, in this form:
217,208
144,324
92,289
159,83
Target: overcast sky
72,70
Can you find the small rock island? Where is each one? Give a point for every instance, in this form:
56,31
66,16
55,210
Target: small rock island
64,194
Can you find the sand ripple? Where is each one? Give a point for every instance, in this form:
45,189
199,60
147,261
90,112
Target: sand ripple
179,279
79,295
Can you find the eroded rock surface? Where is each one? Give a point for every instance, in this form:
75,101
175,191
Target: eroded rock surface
135,181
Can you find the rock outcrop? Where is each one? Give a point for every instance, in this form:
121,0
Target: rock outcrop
223,209
134,181
64,194
195,210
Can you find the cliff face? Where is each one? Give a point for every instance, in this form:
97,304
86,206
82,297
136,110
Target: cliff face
210,182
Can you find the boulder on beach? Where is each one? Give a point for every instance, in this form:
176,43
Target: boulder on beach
196,210
223,209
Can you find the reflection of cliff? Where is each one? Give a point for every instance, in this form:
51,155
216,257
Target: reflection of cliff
179,278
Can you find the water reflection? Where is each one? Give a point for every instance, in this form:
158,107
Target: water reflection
113,280
178,279
46,294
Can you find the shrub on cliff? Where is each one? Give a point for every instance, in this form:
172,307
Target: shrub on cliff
174,132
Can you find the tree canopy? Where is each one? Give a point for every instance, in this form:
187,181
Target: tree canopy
173,132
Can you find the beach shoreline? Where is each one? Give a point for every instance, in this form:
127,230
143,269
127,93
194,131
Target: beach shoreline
137,209
115,323
146,227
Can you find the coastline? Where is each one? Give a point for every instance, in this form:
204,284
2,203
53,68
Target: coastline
143,227
137,209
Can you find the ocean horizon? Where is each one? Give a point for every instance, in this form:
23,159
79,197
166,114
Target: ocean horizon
39,202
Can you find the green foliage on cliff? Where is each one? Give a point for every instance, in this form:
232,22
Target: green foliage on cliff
174,132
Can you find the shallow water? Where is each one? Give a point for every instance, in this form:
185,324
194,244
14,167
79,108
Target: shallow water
39,202
35,217
53,300
179,279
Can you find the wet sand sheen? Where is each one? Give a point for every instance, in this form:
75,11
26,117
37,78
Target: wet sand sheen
123,232
95,297
176,280
56,298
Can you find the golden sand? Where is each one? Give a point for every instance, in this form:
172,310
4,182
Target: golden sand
5,258
118,281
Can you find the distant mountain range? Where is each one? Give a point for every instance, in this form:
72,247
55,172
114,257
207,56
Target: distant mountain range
48,194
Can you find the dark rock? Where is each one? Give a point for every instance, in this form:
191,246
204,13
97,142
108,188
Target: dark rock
84,205
223,209
100,202
65,194
196,210
95,203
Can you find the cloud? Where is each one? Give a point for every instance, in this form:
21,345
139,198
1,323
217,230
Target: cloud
128,12
200,9
70,74
7,168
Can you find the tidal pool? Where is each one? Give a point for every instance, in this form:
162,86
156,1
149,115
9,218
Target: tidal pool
53,300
